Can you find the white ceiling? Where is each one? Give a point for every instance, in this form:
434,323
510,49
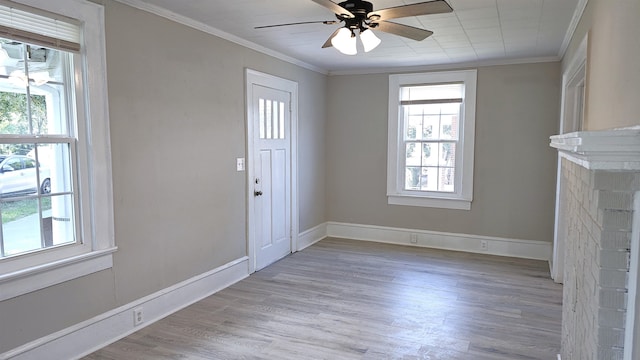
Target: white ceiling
477,30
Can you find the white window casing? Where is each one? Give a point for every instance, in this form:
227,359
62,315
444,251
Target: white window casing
462,196
92,163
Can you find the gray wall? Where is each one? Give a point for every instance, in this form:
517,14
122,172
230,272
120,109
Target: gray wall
514,177
613,74
176,98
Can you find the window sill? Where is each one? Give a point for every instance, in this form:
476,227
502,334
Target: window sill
39,277
443,203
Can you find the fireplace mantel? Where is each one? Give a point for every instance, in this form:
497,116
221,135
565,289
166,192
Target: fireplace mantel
601,150
597,242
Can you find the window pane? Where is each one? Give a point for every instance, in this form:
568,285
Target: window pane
46,65
61,215
449,124
48,113
24,230
276,119
432,127
55,166
261,114
412,178
21,226
413,153
430,154
448,130
414,127
429,179
447,154
14,118
18,173
282,115
268,119
12,56
447,179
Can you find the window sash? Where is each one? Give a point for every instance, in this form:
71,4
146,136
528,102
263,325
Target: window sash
78,241
403,123
457,168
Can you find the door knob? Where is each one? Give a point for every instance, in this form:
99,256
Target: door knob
257,193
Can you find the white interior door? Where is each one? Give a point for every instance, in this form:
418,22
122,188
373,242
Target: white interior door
271,174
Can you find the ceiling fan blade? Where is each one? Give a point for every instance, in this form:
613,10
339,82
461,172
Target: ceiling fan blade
403,30
328,22
424,8
339,10
328,42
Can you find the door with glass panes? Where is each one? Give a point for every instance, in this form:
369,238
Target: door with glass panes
272,174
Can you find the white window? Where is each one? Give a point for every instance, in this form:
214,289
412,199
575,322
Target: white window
431,137
56,211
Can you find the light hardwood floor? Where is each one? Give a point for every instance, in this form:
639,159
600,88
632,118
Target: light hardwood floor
342,299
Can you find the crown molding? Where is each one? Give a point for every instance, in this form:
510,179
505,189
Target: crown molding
573,25
617,149
156,10
450,66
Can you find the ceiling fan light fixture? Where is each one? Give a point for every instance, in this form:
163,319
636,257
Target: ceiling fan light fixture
345,42
369,40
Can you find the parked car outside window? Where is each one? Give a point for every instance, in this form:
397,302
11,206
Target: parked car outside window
19,175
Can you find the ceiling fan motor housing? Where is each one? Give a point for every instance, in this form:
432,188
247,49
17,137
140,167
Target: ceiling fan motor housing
358,15
359,8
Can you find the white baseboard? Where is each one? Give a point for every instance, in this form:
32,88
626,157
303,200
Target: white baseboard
88,336
311,236
528,249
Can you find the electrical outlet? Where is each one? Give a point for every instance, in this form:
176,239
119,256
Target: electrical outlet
413,238
138,316
484,245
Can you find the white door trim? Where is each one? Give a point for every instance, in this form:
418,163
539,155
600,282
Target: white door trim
253,77
574,75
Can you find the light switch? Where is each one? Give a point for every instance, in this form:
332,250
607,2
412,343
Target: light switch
240,164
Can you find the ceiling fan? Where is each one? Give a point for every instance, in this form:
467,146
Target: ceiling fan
358,15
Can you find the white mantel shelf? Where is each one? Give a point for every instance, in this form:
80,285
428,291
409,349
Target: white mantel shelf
601,150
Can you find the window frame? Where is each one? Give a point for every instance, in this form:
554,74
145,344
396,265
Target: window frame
462,198
24,274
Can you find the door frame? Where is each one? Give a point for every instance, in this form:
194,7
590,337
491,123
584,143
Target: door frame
574,77
253,77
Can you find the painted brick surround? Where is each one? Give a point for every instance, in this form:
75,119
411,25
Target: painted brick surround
597,202
599,206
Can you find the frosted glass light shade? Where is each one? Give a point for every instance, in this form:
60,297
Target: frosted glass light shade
369,40
345,42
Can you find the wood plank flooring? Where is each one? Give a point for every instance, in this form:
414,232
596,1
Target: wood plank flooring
342,299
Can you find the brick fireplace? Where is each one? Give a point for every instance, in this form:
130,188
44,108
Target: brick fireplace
597,243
